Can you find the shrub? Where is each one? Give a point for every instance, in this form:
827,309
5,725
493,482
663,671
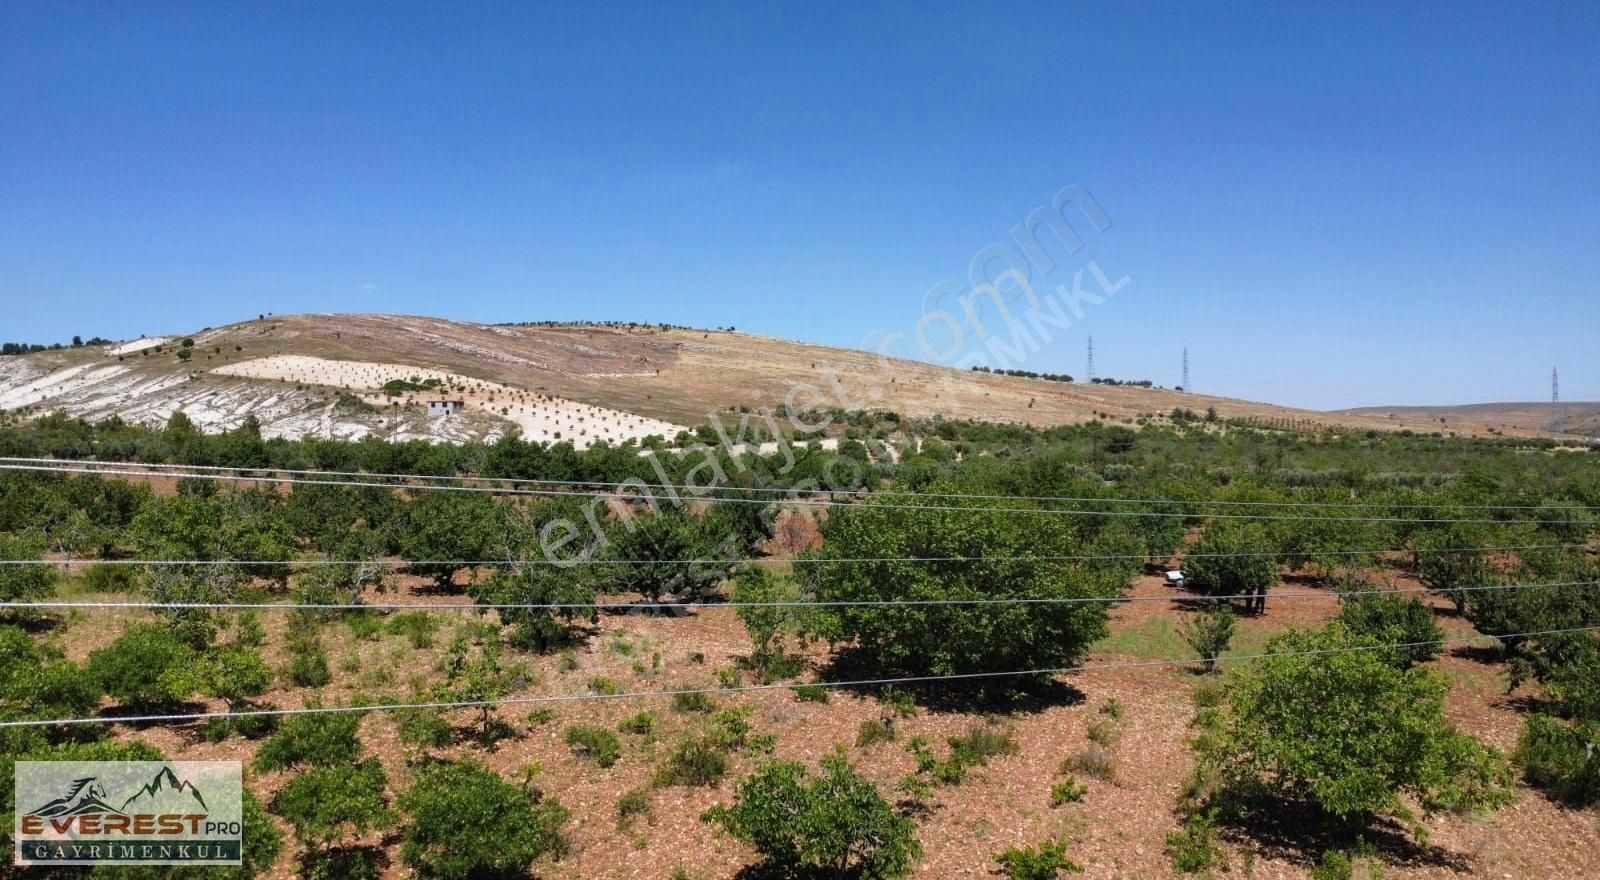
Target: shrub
1394,620
604,686
308,662
147,665
1102,733
1067,791
1562,759
692,701
318,739
1093,761
1333,865
697,759
424,728
1209,633
1112,708
34,683
1194,848
954,639
1348,732
810,693
634,803
596,743
418,627
982,743
642,724
836,822
874,731
1046,861
468,822
328,804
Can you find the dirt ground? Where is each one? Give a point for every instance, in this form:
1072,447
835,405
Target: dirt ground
1116,831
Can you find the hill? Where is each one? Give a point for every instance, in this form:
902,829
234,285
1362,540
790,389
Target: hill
1582,419
352,376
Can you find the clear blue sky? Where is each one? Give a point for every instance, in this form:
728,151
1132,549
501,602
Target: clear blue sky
1330,206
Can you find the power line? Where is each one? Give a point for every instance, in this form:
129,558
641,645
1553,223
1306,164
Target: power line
867,682
790,502
45,604
772,560
58,463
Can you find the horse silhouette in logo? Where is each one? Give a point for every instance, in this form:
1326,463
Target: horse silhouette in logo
86,795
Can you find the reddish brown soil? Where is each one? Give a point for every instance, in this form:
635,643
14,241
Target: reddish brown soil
1117,831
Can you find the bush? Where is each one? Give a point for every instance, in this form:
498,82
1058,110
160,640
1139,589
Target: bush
836,822
308,662
418,627
468,822
424,728
1093,761
1194,848
698,759
635,802
1349,733
1562,759
874,731
595,743
326,805
810,693
692,701
880,543
35,683
1043,862
1067,791
642,724
1209,633
147,665
317,739
1394,620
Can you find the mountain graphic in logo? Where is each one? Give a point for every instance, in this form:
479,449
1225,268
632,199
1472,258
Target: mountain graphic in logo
164,790
86,795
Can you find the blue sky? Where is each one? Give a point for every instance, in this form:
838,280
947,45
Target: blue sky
1329,205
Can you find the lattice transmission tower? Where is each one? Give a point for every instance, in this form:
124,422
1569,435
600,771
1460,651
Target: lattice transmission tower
1186,387
1555,402
1090,369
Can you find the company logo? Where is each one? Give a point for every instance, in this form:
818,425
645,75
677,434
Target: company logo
129,813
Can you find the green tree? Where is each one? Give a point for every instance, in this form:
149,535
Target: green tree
148,665
329,805
767,623
540,629
972,555
667,553
443,528
24,583
835,822
467,822
1393,619
1234,558
1209,633
316,739
1341,728
35,683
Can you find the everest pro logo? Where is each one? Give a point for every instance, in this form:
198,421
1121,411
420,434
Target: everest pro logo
129,813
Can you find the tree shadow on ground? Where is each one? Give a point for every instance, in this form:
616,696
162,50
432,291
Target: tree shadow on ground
1484,655
155,711
997,694
1300,832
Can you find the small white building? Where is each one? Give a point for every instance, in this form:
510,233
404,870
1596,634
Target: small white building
1176,578
445,407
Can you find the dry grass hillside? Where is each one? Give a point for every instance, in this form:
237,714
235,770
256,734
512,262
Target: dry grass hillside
323,375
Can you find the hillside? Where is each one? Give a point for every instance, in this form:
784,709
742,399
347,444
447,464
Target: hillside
324,375
1582,418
